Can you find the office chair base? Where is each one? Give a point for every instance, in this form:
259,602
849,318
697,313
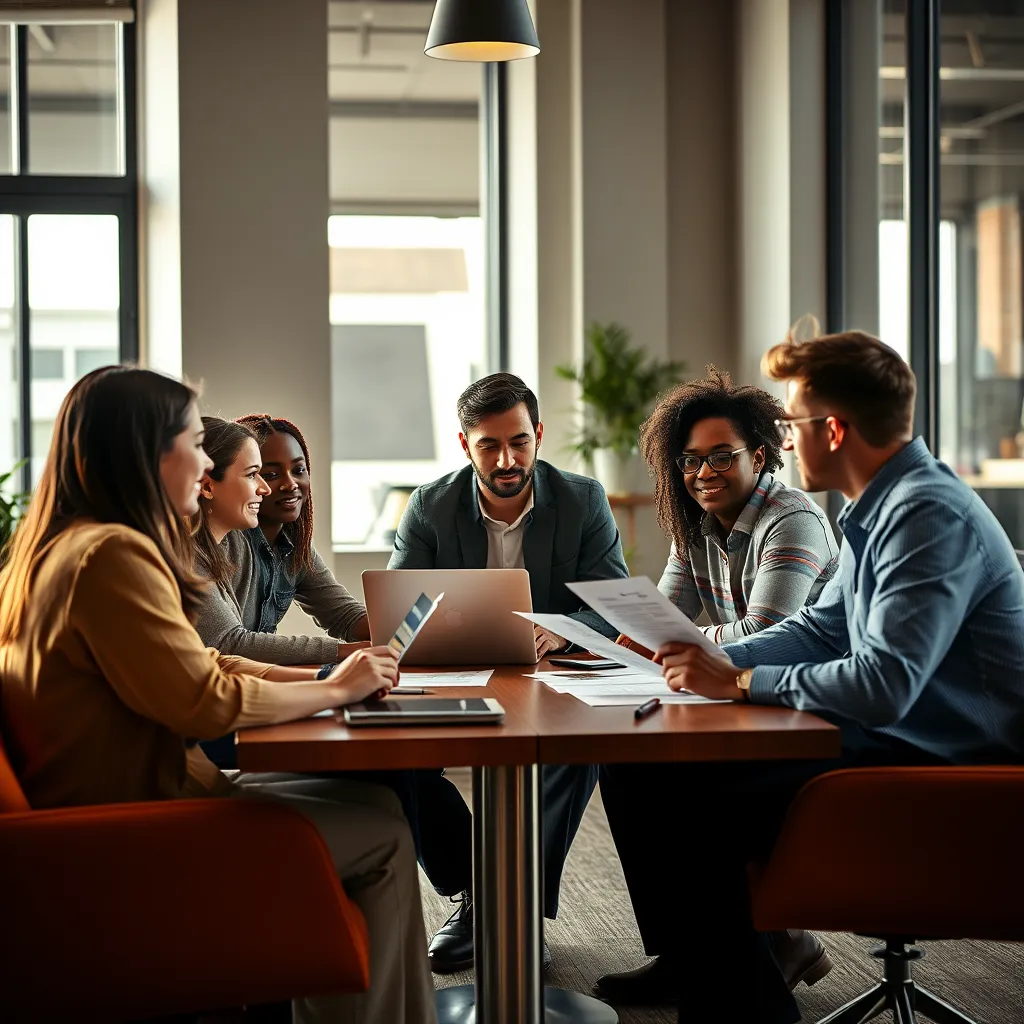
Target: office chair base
898,992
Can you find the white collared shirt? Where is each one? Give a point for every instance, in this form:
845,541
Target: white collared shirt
505,540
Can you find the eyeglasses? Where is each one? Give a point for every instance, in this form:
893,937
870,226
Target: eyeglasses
785,427
720,462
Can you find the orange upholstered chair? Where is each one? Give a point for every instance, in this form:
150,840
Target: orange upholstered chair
902,854
104,911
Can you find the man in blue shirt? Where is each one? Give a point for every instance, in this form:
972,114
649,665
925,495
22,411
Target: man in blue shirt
915,649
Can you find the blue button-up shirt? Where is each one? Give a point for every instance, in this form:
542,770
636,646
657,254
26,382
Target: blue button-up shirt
920,634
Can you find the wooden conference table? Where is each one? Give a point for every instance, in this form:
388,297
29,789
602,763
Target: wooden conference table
540,727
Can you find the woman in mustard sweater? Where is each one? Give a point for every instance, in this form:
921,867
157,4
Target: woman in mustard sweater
104,676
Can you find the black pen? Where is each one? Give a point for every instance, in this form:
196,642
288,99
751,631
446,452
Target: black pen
405,691
645,709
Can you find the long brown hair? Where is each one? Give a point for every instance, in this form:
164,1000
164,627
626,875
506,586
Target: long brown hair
222,442
301,531
113,427
664,435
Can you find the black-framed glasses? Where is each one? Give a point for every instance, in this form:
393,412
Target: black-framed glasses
785,427
720,462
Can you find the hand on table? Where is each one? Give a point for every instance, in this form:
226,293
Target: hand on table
368,672
547,642
692,668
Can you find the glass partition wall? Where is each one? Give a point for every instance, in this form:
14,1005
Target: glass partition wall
947,80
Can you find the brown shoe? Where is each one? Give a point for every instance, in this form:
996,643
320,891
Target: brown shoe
800,956
654,984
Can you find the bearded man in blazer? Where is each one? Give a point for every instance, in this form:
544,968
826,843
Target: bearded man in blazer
507,509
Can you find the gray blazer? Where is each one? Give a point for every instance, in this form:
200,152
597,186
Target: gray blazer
570,536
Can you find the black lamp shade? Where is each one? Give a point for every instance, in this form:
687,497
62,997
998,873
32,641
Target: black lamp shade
481,30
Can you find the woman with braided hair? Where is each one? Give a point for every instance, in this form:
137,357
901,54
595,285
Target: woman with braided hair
275,563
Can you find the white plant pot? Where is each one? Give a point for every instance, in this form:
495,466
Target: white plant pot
612,471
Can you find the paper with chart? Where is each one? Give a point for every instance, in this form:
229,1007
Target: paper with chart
593,641
637,608
436,680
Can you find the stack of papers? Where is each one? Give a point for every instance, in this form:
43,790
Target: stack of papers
638,609
606,689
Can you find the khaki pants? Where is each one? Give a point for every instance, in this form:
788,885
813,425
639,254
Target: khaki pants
371,846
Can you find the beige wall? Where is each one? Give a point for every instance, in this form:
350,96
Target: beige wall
667,163
251,176
701,70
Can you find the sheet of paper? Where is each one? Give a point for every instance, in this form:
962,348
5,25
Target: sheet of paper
642,691
436,680
583,681
594,676
637,608
593,641
596,700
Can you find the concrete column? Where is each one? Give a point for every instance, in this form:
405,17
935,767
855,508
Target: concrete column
623,167
780,176
701,75
236,179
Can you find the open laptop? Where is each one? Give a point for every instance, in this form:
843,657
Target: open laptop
473,624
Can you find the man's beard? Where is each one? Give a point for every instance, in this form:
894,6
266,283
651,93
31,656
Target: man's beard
510,489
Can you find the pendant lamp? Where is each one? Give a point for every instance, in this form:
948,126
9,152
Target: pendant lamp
481,30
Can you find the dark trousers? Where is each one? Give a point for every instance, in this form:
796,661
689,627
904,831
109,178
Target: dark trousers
685,834
445,827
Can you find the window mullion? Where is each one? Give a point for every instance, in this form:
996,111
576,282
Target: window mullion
19,108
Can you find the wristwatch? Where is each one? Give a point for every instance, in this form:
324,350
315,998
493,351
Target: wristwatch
743,682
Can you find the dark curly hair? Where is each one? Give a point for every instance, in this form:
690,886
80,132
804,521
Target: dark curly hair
664,434
301,532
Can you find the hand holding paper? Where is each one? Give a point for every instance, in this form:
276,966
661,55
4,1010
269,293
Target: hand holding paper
637,608
592,641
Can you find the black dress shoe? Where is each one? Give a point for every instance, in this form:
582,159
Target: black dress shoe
654,984
451,949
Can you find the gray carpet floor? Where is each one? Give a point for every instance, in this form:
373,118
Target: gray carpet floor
596,933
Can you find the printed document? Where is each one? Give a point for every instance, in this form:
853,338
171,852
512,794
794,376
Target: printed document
637,608
593,641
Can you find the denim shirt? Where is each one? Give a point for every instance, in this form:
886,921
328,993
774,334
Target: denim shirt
275,585
243,618
920,634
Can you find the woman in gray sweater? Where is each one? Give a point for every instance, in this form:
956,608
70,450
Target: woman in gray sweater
257,548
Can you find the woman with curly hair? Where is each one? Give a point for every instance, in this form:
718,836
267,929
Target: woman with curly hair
747,550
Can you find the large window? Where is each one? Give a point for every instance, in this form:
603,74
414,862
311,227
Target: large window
407,251
68,279
964,332
981,387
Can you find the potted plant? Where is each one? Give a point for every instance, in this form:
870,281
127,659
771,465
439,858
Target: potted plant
618,386
11,506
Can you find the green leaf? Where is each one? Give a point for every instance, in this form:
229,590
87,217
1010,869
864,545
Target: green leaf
618,387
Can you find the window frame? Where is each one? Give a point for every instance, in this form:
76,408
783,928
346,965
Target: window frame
24,194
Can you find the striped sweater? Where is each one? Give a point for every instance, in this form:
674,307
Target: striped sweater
778,556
